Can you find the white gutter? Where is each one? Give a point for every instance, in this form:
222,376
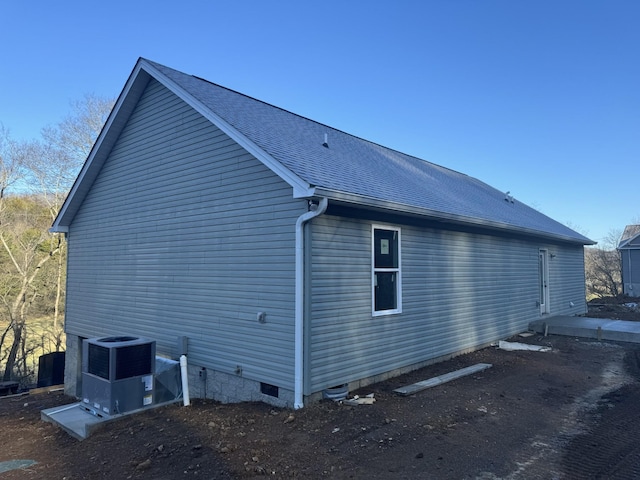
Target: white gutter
299,304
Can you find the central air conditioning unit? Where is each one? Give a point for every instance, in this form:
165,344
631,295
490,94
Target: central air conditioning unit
117,374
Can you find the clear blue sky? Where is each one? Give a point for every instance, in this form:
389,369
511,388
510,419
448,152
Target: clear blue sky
541,98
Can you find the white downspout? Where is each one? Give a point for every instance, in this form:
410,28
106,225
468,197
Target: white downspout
634,294
185,382
299,302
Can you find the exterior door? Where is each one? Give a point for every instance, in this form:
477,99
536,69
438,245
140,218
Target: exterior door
543,277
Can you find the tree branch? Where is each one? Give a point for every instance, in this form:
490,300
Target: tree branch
6,247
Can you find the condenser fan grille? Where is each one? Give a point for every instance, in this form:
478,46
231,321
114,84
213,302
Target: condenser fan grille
98,361
116,362
133,361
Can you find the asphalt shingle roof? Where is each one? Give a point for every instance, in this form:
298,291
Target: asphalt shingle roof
350,169
354,166
629,235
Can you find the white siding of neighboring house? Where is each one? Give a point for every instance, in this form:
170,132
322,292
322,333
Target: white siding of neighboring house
185,234
460,291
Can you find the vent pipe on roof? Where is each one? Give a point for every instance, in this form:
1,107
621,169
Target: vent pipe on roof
326,141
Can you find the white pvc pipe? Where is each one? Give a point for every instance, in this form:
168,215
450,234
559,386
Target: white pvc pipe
299,302
185,380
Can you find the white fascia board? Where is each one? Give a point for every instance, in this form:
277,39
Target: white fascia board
101,148
627,246
304,192
300,187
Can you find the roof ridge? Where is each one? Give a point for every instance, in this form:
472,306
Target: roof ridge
343,132
356,168
362,139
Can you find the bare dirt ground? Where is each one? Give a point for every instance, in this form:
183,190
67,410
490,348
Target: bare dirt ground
615,308
570,413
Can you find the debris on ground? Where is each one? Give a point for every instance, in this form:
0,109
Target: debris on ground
513,346
529,416
357,400
447,377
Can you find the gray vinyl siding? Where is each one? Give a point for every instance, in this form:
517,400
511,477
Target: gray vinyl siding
631,270
567,281
460,291
185,233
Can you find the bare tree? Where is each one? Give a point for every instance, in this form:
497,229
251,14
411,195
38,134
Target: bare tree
56,161
11,171
603,267
67,145
11,164
44,171
26,246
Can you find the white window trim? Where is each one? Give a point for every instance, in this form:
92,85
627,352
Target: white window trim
374,312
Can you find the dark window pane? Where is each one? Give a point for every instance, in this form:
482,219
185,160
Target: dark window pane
385,291
385,248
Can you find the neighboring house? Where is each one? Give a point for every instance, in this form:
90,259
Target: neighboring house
629,247
293,256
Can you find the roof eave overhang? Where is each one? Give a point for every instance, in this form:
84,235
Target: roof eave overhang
626,244
409,210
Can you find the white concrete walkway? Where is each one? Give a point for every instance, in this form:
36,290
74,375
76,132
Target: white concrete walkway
598,328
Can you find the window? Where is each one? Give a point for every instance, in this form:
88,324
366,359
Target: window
386,285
